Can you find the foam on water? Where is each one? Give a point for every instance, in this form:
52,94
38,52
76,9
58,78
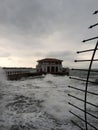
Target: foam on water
36,104
2,75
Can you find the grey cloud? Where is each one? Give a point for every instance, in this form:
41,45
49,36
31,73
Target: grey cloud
41,17
40,54
27,24
29,16
64,55
4,55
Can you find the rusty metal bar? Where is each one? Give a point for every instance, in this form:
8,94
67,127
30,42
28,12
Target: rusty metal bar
95,12
90,39
83,90
85,51
93,70
81,79
82,110
83,120
82,100
77,125
84,60
93,25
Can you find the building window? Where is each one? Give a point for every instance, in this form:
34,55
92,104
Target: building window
56,69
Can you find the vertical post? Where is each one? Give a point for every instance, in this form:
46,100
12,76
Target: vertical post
88,74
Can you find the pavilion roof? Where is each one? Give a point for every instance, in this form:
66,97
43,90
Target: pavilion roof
50,59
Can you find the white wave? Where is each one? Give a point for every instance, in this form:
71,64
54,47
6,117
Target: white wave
40,103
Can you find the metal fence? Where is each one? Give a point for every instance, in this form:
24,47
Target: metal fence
87,115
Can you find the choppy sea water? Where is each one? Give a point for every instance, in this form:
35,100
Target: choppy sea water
40,103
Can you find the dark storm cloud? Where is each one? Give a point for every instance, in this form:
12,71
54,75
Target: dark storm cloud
30,16
40,17
28,27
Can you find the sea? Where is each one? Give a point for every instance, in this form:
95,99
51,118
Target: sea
42,103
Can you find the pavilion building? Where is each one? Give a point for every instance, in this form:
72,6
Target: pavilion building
49,65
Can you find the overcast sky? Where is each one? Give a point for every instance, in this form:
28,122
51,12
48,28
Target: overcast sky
34,29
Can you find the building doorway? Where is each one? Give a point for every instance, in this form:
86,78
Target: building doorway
48,69
56,69
52,69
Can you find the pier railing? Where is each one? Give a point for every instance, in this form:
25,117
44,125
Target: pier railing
88,120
